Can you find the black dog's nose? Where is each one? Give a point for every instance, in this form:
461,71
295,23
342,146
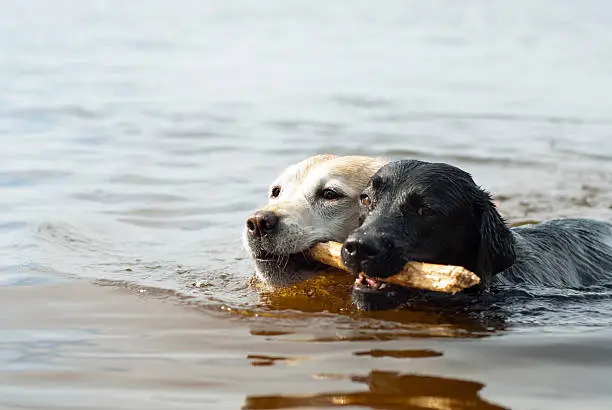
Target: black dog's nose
358,251
261,223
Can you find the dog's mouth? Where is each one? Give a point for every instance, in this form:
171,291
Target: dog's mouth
370,293
373,279
364,282
299,261
282,270
299,258
369,285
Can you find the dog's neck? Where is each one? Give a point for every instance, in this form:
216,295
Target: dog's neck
496,248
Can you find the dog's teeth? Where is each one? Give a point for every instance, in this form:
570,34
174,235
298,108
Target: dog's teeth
383,286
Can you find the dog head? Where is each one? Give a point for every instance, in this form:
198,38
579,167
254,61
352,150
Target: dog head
316,200
428,212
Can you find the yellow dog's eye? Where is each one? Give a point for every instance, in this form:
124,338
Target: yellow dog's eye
275,192
330,194
365,200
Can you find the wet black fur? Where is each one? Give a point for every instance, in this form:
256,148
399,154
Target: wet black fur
434,212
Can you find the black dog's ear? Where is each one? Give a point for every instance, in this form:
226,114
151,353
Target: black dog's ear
496,249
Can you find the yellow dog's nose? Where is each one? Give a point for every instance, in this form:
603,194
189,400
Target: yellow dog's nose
261,223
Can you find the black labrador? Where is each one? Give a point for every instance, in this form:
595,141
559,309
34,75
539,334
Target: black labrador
434,212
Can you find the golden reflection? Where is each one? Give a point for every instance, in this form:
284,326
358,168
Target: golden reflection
329,291
388,390
321,310
265,332
263,360
399,354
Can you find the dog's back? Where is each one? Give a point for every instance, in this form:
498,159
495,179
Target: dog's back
569,253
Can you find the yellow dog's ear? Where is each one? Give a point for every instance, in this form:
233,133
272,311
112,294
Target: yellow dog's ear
496,249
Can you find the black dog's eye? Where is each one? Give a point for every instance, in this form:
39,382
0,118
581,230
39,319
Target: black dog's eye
275,192
365,200
330,194
425,211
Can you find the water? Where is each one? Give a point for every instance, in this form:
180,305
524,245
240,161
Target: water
138,136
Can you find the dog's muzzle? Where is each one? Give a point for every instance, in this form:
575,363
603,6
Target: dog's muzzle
262,223
372,254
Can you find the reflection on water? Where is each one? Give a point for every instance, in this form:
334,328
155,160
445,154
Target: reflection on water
322,308
263,360
399,354
387,390
329,291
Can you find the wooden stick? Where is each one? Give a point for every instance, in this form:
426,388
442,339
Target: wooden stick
439,278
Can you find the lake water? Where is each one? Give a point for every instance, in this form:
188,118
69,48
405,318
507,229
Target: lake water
138,136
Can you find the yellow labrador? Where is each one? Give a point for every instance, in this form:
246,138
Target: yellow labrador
315,200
